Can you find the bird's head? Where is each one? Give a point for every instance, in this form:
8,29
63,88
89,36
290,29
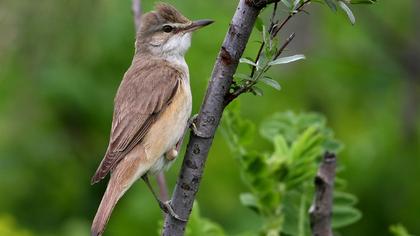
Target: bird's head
166,31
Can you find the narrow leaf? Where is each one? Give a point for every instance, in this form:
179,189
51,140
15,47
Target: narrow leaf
296,4
348,11
242,76
247,61
270,82
286,3
399,230
257,91
331,4
344,215
285,60
249,200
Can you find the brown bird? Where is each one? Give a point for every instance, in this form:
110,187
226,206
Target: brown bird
152,108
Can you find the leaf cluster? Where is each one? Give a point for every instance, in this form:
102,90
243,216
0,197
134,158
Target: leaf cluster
199,226
280,181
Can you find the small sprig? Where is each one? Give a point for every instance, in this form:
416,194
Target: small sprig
268,53
247,83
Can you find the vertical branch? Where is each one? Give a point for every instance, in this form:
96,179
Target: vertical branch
321,209
136,8
160,178
210,113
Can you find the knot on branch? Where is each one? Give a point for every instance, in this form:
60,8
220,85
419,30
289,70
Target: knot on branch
225,55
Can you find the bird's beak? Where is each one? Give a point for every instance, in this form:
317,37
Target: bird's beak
195,25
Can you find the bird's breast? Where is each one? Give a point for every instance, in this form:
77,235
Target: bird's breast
169,127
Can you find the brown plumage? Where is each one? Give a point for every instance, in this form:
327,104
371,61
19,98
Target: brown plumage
133,117
151,108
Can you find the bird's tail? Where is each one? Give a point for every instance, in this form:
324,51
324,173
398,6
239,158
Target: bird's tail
123,176
112,194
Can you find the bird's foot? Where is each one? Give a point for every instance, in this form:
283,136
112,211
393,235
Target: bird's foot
192,124
167,208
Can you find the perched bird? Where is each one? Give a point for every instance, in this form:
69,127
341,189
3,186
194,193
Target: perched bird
152,108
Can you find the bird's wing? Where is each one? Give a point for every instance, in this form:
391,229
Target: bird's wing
144,93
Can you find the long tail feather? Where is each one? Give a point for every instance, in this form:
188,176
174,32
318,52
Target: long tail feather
124,175
112,194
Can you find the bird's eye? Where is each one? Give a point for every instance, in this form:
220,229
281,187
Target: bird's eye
167,28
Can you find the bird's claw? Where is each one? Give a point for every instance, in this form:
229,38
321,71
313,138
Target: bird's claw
167,208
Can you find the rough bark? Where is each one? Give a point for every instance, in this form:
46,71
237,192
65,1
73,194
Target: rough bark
210,114
321,209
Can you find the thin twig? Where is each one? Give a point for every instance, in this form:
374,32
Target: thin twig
276,29
248,86
163,188
321,210
137,12
288,40
270,29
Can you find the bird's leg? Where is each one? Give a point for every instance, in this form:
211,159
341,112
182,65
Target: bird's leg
165,206
193,127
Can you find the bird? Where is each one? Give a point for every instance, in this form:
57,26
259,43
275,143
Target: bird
152,109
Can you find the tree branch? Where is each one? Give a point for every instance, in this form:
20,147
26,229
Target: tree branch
210,114
321,209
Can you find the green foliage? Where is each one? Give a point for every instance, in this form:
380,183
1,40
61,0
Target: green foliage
280,182
8,227
344,5
271,50
269,58
399,230
61,63
199,226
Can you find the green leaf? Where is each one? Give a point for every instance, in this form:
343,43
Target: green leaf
287,4
285,60
264,35
348,11
296,4
342,199
363,1
242,76
250,201
270,82
281,148
199,226
331,4
345,215
256,91
247,61
399,230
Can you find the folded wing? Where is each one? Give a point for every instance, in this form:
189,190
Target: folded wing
144,93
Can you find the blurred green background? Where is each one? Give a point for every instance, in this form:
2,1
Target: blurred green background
62,61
